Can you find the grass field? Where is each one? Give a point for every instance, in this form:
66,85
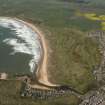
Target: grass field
72,55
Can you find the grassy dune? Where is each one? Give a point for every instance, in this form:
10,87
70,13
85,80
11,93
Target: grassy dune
72,55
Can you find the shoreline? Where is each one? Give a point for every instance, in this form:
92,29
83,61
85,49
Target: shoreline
41,74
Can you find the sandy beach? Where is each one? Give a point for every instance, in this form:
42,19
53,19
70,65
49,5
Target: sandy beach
41,73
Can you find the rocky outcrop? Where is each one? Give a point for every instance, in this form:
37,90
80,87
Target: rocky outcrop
97,97
35,93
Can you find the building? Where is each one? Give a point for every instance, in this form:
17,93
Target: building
3,76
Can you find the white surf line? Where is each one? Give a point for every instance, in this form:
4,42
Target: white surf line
25,40
41,72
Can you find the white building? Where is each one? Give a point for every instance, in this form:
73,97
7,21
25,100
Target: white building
3,76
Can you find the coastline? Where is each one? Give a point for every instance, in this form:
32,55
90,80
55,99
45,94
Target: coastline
41,73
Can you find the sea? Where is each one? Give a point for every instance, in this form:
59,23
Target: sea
20,46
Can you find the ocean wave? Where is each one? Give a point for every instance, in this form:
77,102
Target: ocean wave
26,41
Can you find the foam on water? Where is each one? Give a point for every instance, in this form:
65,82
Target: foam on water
30,43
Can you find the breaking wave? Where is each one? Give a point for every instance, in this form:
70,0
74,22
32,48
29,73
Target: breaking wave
26,40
